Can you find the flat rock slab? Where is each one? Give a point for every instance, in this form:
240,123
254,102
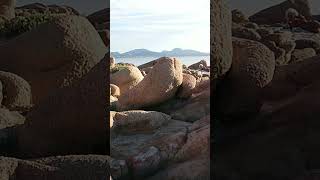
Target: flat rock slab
124,146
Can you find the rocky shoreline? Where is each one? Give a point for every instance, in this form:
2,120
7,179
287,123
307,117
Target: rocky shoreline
54,99
161,119
265,101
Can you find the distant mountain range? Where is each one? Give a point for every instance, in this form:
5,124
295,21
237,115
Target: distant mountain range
148,53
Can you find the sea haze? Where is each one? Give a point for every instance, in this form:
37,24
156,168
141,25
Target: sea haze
147,53
187,60
141,56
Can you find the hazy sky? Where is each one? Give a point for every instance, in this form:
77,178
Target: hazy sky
160,24
83,6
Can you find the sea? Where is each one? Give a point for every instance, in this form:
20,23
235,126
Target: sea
187,60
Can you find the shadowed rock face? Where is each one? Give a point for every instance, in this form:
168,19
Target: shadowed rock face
59,60
81,167
70,121
220,37
7,9
101,16
252,69
16,91
276,14
42,8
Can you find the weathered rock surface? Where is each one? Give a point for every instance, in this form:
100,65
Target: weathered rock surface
61,167
312,26
70,120
182,171
283,145
246,33
245,62
276,13
186,88
7,9
126,78
114,90
252,69
201,65
137,121
238,16
193,109
113,102
288,80
147,152
302,54
308,43
281,43
42,8
220,38
112,62
158,86
203,84
105,36
100,19
16,91
59,60
79,166
198,142
251,25
9,119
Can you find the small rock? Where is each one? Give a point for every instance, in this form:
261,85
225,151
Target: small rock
16,91
188,83
199,65
126,78
146,163
308,43
238,16
246,33
112,62
251,25
114,90
302,54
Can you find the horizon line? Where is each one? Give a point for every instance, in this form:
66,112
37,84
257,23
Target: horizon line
161,50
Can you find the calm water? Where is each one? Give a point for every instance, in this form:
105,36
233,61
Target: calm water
187,60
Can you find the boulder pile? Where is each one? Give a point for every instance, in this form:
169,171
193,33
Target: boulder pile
160,123
52,102
266,105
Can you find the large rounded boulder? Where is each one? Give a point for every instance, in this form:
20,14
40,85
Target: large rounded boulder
55,61
159,85
126,78
252,69
70,121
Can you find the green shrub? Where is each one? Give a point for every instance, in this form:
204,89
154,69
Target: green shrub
22,24
117,68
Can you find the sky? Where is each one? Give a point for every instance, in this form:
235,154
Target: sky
159,25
